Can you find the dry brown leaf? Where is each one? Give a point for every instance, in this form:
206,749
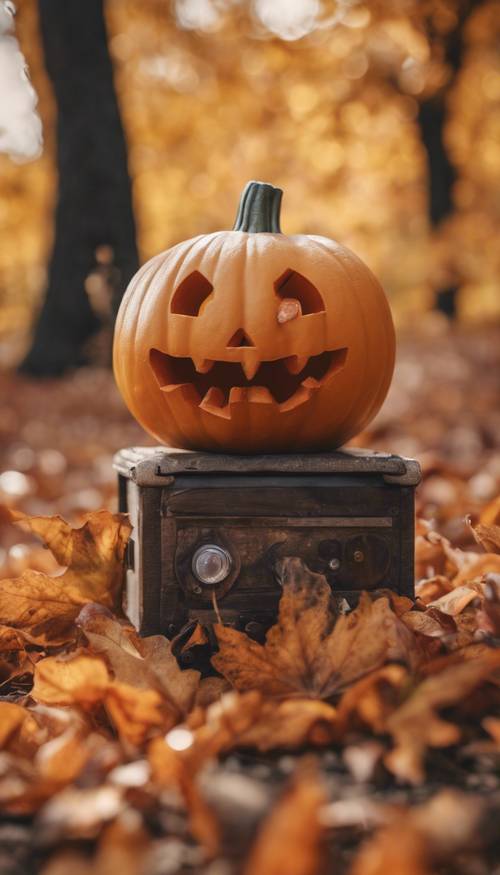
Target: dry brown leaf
82,680
415,726
61,759
433,623
93,553
46,607
431,588
11,718
487,563
249,720
487,536
171,768
290,839
416,839
433,553
372,699
136,713
291,723
490,513
306,652
145,663
454,602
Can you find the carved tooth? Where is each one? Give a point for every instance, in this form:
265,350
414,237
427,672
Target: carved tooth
311,383
250,366
296,363
182,390
260,395
299,397
237,395
203,366
213,402
214,397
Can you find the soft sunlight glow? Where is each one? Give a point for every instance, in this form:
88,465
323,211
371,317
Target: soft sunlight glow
288,19
14,483
179,738
197,14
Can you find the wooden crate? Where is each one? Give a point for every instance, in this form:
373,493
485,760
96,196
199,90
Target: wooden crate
349,515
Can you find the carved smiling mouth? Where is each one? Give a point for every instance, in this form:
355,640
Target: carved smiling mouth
215,386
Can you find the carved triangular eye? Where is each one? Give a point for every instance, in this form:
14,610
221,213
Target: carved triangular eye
191,294
292,284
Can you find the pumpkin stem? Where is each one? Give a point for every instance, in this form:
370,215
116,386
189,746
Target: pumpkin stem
259,209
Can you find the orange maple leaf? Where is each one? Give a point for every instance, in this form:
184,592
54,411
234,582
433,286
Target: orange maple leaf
310,651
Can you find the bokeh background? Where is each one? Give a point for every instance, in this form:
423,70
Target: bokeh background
343,104
381,122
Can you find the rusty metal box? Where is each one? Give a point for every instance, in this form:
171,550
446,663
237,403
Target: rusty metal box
349,515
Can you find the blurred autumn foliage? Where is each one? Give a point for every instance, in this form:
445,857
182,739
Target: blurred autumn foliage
329,102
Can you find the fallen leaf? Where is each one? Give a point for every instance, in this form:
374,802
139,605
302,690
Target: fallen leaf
431,588
487,563
169,768
249,720
145,663
11,718
310,651
488,537
415,726
136,712
81,680
433,623
490,513
454,602
46,607
416,839
371,699
93,553
289,840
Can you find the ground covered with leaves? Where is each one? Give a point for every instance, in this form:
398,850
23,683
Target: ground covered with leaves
362,743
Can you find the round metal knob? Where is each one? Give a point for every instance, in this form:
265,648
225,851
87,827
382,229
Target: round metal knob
211,563
334,564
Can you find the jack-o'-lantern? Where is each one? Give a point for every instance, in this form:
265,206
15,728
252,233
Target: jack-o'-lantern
252,341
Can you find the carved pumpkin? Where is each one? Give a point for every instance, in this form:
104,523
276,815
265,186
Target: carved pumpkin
252,341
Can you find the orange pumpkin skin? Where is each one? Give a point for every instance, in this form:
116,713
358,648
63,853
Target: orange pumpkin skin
203,360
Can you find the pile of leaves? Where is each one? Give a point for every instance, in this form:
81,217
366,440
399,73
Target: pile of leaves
363,741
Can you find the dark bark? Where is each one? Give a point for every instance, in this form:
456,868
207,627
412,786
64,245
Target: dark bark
94,206
432,119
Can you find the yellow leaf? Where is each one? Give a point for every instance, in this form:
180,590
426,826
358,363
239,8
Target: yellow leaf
81,680
46,607
135,712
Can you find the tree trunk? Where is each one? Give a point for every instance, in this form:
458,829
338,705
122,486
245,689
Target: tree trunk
440,178
432,120
94,206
